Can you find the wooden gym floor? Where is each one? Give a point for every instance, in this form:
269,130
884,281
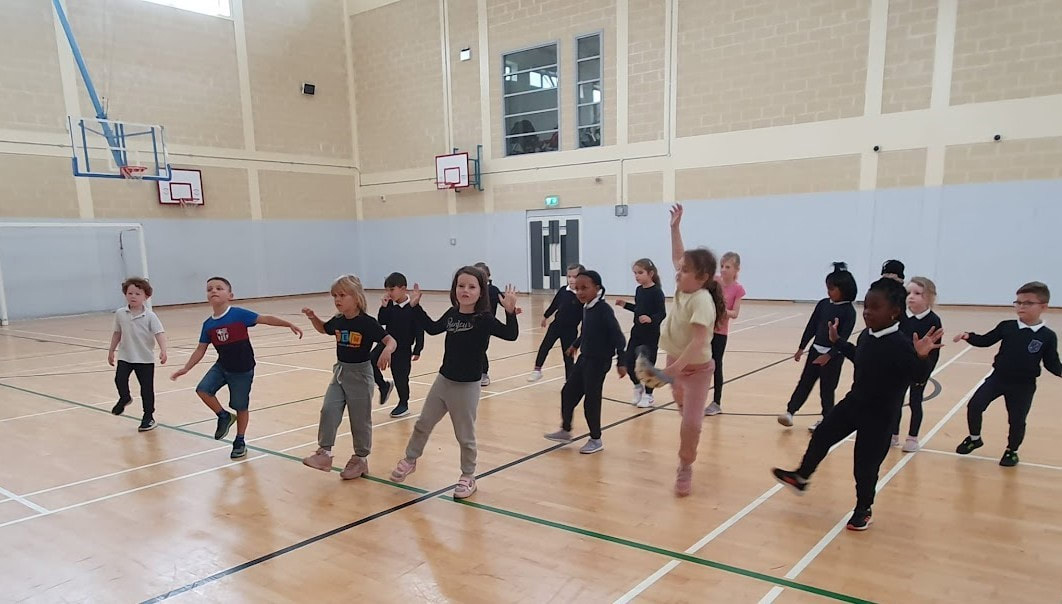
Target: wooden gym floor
91,510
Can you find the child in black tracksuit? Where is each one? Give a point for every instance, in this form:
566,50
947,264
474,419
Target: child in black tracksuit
824,363
494,295
1027,343
600,340
400,320
886,363
919,319
649,311
565,327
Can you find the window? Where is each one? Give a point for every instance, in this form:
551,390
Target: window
532,120
588,96
217,8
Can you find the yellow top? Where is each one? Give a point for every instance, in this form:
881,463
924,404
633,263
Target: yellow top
675,334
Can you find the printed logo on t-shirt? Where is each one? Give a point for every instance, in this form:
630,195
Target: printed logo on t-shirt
1035,346
349,339
223,334
459,325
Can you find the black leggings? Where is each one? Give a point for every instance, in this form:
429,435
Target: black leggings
718,348
567,336
827,376
918,392
586,383
650,338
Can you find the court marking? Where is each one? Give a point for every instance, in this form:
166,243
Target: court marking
664,570
22,500
992,459
828,538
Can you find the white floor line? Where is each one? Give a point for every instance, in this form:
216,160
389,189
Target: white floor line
992,459
665,569
837,528
785,318
756,318
26,502
70,408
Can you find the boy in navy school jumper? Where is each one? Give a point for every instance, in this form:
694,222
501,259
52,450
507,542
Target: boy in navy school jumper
400,319
494,295
227,329
886,361
565,327
824,363
1027,342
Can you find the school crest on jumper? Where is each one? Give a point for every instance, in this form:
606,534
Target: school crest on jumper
223,334
1035,346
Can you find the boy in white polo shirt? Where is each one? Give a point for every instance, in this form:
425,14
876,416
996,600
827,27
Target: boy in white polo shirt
136,329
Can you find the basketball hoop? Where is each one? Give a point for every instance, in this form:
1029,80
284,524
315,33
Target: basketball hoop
183,202
133,172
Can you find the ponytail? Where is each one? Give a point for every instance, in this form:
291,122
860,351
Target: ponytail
717,298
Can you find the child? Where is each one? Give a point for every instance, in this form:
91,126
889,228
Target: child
1027,342
824,363
601,337
733,292
136,329
893,269
686,338
886,363
919,319
494,296
564,328
649,311
352,376
398,316
468,325
227,329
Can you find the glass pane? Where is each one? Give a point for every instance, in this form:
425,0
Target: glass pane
589,46
539,79
590,70
531,143
590,114
535,101
528,59
534,122
590,137
590,93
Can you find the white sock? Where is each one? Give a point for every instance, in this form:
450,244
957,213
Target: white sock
975,438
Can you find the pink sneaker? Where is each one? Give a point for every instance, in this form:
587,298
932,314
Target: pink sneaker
684,481
356,468
403,469
466,485
320,460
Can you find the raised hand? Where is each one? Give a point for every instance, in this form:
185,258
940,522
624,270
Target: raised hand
621,302
925,345
833,330
310,314
414,296
676,215
508,299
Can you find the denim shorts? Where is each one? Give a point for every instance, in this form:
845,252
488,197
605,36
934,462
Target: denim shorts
239,385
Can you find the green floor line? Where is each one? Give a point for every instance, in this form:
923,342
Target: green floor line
255,410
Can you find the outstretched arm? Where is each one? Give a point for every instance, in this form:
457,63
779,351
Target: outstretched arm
677,249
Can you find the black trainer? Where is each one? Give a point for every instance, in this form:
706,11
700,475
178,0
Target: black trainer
1009,459
119,407
146,424
860,520
791,480
224,423
400,410
385,393
239,449
968,445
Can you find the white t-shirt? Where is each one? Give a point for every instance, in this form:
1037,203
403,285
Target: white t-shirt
138,335
676,334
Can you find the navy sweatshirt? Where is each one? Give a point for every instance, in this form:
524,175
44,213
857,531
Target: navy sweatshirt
818,328
601,336
648,301
494,294
885,367
401,323
1022,351
567,307
466,340
912,325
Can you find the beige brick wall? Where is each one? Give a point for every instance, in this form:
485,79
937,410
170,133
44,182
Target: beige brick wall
33,186
910,44
464,75
645,188
302,196
646,50
1038,158
404,205
519,24
1007,49
398,79
224,191
904,168
757,63
289,43
31,94
573,192
161,65
817,175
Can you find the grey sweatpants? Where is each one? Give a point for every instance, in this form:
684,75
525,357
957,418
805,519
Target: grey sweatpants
460,400
351,388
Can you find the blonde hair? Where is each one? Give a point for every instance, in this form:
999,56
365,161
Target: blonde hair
929,289
731,257
351,286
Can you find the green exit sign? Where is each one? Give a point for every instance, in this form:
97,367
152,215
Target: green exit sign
552,201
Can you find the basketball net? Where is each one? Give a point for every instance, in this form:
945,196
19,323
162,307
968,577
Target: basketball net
134,172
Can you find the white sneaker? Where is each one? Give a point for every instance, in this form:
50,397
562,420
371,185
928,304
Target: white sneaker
713,409
535,376
639,392
786,419
485,380
646,401
911,444
812,427
896,440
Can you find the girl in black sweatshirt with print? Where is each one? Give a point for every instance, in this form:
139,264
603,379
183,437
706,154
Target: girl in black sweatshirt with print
649,312
601,338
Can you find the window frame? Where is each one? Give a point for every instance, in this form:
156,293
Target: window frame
504,96
176,4
600,57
